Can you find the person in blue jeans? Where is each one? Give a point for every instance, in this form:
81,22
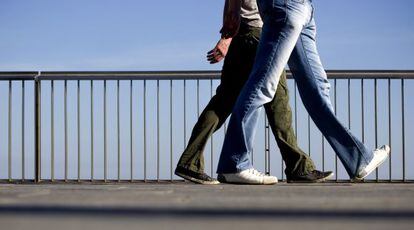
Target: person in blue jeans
288,37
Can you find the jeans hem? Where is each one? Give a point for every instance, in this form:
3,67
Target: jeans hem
237,170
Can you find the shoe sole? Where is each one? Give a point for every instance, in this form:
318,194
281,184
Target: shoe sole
357,179
222,179
197,181
311,182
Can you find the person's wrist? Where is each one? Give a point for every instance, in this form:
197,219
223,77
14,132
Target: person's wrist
227,41
226,36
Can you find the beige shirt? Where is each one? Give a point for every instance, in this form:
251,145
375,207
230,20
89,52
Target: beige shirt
250,13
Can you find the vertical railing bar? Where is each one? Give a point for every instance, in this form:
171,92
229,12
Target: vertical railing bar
349,103
78,129
131,122
296,110
23,131
105,134
37,128
171,132
403,126
185,116
389,128
9,146
376,120
362,111
198,98
323,153
265,144
268,148
118,130
309,136
52,131
212,136
335,99
252,155
92,139
145,129
158,130
66,128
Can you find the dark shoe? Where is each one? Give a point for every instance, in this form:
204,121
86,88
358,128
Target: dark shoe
199,178
313,177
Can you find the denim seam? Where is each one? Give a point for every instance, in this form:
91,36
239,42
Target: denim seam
313,75
287,12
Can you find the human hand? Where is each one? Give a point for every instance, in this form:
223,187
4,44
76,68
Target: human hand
219,52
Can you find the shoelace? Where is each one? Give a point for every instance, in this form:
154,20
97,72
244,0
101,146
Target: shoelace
206,177
318,173
257,173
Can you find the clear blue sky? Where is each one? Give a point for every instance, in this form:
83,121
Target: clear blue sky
166,35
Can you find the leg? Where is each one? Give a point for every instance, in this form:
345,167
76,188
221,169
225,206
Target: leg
279,114
236,69
289,35
279,37
314,88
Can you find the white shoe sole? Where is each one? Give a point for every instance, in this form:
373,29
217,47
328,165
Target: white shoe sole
375,167
224,179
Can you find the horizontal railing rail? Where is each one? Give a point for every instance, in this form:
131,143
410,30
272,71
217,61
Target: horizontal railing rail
133,126
187,75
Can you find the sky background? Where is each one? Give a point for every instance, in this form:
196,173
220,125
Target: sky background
135,35
165,35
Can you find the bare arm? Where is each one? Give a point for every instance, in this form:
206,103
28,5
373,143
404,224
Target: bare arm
231,24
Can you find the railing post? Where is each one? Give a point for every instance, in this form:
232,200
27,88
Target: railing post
37,117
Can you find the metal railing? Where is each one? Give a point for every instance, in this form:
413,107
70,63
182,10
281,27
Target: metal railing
133,126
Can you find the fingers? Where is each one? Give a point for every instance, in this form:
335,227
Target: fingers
211,51
214,56
215,60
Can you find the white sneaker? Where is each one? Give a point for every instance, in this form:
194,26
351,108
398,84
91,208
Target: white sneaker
248,176
380,155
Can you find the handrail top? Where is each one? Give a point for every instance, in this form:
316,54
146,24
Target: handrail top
186,75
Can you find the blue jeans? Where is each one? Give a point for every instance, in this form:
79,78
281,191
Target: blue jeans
288,37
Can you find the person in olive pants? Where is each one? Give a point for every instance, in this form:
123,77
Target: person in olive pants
236,69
